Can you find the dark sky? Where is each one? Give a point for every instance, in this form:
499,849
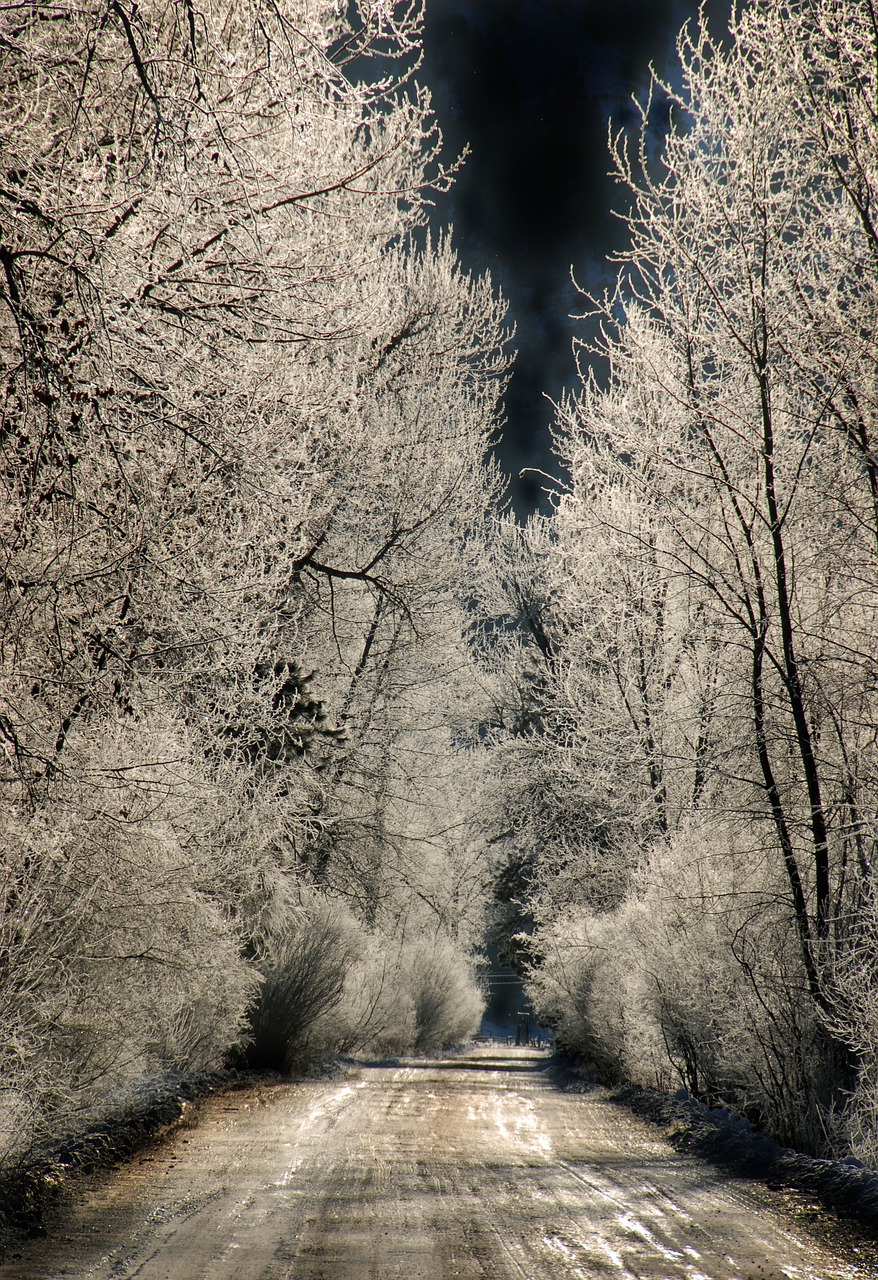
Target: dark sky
531,86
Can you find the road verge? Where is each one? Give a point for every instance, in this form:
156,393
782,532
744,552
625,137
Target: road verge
148,1111
846,1188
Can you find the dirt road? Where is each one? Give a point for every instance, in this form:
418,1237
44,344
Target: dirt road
476,1167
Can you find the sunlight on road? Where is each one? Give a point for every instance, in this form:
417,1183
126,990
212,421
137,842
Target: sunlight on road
470,1168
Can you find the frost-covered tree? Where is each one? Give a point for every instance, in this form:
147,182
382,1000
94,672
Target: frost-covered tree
716,553
245,410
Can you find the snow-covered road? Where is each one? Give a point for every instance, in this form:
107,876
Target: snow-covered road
473,1167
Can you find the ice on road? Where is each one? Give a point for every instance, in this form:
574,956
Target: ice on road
471,1167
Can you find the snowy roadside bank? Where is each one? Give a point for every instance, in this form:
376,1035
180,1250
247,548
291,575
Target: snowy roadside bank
149,1110
844,1187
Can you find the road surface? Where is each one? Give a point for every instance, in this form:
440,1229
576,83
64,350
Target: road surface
472,1167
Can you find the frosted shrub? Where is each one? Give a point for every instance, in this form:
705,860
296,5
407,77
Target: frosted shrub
576,989
297,1016
855,1022
688,979
726,985
33,1085
419,996
114,966
859,1122
447,1002
329,986
377,1014
689,983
